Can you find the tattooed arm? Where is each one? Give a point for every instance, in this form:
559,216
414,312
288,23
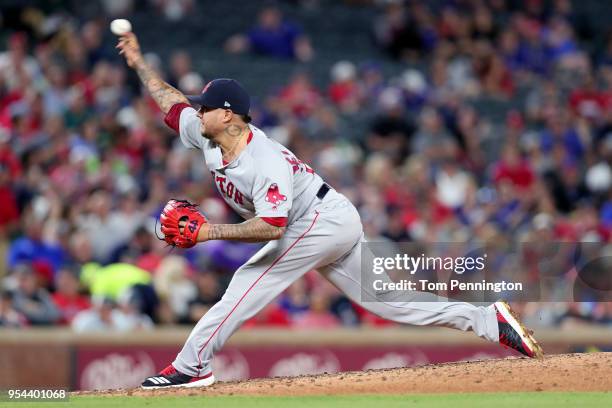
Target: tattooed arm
253,230
164,94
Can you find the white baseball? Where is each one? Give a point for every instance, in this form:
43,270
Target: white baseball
120,26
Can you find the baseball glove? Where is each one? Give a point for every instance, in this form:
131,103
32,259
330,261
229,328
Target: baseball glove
180,223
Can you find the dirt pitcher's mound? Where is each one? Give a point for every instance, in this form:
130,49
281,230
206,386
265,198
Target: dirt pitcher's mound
569,372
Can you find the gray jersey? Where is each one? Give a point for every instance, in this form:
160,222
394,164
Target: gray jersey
265,180
324,233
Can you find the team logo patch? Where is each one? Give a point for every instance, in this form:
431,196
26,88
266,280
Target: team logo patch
274,196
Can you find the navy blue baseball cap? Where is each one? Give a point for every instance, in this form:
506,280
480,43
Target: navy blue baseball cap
223,93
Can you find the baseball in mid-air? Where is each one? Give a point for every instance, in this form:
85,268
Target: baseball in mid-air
120,26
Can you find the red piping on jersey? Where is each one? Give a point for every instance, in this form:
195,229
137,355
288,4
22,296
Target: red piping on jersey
276,221
251,287
173,116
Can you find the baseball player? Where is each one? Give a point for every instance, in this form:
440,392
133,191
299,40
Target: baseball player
307,224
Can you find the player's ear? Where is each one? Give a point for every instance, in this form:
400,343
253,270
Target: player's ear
227,115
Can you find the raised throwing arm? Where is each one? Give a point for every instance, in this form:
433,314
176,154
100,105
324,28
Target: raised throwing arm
164,95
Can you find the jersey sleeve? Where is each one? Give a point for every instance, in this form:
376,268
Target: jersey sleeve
183,119
273,188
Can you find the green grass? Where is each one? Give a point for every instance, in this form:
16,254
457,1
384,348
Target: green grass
496,400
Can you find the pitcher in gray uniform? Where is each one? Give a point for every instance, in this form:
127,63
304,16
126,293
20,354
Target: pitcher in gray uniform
308,224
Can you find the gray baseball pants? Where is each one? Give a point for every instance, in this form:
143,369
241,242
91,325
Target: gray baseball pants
327,238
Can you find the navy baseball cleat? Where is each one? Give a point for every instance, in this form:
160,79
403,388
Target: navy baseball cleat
512,333
169,377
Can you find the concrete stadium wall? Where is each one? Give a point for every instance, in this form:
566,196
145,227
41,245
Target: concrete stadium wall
56,358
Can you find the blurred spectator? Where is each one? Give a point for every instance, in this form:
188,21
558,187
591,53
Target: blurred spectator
370,319
31,300
318,315
560,141
530,53
208,293
415,88
105,316
173,286
514,169
453,185
56,96
175,10
576,314
295,301
79,247
91,35
67,296
274,37
344,90
180,65
9,316
300,97
484,25
103,222
226,256
191,83
397,33
116,8
598,179
324,125
568,190
112,280
17,68
588,101
135,249
391,131
491,71
272,315
372,81
559,39
46,258
9,212
542,101
603,313
139,303
432,139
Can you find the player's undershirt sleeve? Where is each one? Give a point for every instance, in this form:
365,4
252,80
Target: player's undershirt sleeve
276,221
173,116
273,190
184,120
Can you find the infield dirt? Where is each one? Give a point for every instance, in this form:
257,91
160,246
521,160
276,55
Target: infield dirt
566,372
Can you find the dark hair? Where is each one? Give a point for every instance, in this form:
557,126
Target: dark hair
245,118
6,295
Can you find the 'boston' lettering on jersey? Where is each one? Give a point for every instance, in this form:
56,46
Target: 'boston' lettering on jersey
229,190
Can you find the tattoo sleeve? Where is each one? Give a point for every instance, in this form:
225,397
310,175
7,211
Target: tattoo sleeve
165,95
253,230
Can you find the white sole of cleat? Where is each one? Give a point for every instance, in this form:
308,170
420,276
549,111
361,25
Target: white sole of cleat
204,382
506,312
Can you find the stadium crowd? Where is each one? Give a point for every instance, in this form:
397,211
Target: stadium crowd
86,163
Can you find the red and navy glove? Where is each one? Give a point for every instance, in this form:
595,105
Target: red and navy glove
180,223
